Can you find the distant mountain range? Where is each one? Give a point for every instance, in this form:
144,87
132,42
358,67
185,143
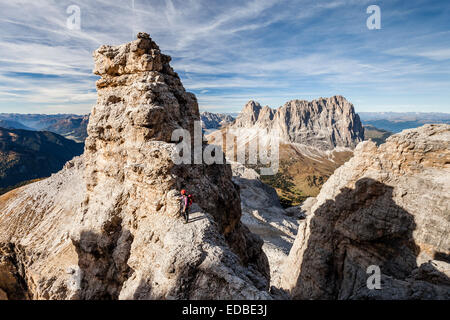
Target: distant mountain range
405,116
215,120
398,121
11,124
28,155
71,126
74,126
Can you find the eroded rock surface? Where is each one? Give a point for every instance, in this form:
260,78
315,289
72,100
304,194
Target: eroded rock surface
264,216
388,207
108,225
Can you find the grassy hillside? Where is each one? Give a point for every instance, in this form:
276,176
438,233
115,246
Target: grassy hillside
301,176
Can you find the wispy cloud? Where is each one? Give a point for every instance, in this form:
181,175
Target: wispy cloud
437,54
228,52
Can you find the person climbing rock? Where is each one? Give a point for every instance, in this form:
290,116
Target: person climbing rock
186,205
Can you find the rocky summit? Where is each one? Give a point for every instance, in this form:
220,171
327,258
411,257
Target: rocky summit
323,123
386,208
108,227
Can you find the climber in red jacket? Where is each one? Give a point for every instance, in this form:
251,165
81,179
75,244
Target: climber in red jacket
186,204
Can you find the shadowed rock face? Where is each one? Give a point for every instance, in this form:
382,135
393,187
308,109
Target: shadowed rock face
387,206
114,212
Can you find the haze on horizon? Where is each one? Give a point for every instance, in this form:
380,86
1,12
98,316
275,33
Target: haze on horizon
228,53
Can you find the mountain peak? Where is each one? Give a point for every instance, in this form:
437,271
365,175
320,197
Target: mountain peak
249,114
252,107
139,94
324,123
140,55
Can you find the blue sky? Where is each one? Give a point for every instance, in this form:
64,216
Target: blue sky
228,52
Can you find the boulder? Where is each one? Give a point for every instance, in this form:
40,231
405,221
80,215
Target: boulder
386,208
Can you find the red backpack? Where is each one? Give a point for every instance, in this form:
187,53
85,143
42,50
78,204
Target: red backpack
190,199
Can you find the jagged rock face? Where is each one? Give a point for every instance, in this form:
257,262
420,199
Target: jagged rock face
37,257
322,123
387,206
215,120
139,95
122,236
254,114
